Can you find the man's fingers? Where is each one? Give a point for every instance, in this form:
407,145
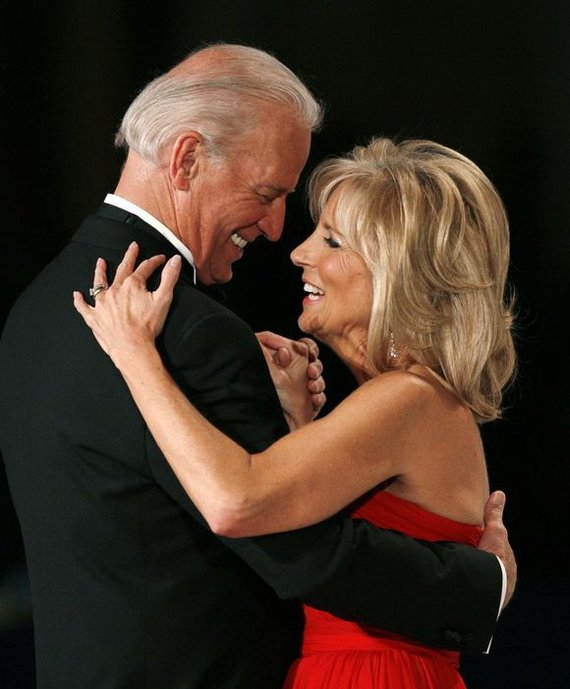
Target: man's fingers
272,340
267,353
305,347
283,357
494,508
495,539
276,342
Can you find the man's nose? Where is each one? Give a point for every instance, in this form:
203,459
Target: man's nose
271,225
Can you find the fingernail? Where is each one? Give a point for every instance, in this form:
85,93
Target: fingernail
175,261
498,498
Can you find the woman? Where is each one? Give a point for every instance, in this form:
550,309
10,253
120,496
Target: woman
405,277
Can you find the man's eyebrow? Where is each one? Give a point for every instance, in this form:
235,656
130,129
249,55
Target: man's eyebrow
275,188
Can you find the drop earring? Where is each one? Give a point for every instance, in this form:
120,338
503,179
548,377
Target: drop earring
392,351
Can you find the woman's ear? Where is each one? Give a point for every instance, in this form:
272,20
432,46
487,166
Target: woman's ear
184,159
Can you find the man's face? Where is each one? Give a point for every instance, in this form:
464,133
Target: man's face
232,202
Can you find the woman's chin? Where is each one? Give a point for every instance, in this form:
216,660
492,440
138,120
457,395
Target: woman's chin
304,324
309,327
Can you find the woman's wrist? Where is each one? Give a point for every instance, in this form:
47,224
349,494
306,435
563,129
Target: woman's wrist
300,416
134,355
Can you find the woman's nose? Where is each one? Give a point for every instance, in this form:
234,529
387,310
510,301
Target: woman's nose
300,255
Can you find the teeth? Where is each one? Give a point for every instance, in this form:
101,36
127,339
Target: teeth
239,241
314,291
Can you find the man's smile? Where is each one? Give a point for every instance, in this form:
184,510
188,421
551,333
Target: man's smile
239,241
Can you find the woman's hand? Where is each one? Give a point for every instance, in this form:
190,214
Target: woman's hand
297,374
126,316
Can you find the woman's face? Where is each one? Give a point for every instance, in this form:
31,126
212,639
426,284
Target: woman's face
337,306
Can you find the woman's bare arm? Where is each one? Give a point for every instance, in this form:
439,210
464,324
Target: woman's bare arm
303,478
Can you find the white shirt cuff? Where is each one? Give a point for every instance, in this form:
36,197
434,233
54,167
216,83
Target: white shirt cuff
503,594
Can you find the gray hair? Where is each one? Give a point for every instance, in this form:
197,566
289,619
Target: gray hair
217,97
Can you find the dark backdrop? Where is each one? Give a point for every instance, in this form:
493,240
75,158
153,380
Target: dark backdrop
489,79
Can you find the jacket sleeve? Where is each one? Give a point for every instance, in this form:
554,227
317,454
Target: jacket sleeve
442,594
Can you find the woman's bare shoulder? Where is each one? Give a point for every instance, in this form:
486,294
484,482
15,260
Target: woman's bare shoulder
412,389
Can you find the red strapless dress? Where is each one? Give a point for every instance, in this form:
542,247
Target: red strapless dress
344,655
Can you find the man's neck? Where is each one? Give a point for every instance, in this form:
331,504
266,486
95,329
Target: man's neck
135,209
146,185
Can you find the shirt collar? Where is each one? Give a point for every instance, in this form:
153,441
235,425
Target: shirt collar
130,207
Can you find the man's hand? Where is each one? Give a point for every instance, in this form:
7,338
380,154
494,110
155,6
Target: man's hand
495,540
297,373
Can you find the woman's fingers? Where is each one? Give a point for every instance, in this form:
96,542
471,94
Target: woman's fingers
315,369
169,278
147,267
126,310
318,401
99,278
127,265
312,347
82,306
143,272
317,385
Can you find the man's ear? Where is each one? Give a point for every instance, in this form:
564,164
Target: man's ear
184,156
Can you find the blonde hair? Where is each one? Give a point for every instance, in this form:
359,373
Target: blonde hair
433,232
218,95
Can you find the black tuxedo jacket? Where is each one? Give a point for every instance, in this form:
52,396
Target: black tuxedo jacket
130,588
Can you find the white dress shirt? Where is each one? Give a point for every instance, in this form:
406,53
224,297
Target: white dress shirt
114,200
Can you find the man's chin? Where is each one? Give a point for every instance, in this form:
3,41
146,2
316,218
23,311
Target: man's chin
209,277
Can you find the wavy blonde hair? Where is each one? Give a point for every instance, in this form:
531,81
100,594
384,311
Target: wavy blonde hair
433,232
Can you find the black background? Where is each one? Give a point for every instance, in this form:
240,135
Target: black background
489,79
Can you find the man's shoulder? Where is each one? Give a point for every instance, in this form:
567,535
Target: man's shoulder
194,303
198,319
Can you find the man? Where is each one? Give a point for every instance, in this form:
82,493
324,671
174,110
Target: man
129,587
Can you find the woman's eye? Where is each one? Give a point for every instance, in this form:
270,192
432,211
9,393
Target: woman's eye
332,242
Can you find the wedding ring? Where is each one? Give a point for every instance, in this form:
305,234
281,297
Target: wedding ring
101,287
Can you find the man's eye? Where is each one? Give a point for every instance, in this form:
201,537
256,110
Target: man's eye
332,242
266,200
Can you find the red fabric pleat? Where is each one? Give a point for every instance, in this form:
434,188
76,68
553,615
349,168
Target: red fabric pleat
344,655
